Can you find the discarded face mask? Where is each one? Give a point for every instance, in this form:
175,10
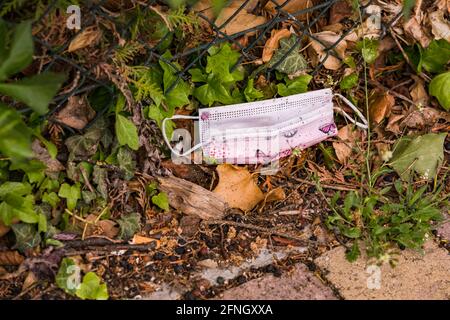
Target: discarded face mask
265,131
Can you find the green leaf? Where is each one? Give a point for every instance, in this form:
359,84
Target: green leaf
198,75
42,223
179,95
15,137
127,133
349,81
252,94
34,169
92,289
68,277
352,233
100,176
129,225
440,88
36,92
51,198
353,254
17,188
435,56
27,236
369,49
71,193
407,7
422,154
126,162
213,91
20,53
220,62
158,115
161,200
294,86
294,62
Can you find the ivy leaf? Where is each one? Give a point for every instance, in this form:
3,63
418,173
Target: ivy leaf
179,95
87,144
36,92
34,169
161,200
27,236
126,132
100,176
129,225
91,288
422,154
349,81
42,223
294,86
51,198
294,62
440,88
220,61
369,49
157,114
126,162
68,277
15,137
71,193
17,188
435,56
20,53
198,75
252,94
213,91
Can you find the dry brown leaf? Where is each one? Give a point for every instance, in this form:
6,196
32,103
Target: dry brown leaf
413,28
242,21
77,113
237,187
3,229
380,105
422,117
440,27
339,11
107,228
348,136
418,93
29,281
137,239
276,194
329,38
393,124
273,43
10,258
42,154
86,38
293,6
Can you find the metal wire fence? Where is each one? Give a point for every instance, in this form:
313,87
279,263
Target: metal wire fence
57,57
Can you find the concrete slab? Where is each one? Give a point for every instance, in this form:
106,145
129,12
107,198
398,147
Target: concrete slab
301,284
416,276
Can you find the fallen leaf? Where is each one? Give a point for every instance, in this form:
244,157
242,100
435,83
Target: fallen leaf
339,11
237,187
348,136
137,239
440,27
29,280
329,38
422,154
86,38
419,118
242,21
42,154
276,194
105,227
10,258
77,113
393,124
380,105
293,6
413,28
273,43
418,93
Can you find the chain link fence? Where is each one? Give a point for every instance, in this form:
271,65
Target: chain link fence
118,20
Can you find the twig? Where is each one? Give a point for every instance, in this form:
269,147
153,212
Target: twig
326,186
253,227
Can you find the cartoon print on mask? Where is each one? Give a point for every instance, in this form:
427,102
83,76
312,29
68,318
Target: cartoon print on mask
328,129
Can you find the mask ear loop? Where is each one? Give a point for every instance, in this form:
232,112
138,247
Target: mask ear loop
163,129
364,125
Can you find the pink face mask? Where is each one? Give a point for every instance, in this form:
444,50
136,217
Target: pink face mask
265,131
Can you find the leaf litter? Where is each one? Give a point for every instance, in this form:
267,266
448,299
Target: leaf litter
114,203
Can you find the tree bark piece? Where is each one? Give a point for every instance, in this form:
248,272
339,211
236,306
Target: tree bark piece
192,199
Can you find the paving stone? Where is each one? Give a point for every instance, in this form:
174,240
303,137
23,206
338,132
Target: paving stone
417,276
301,284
